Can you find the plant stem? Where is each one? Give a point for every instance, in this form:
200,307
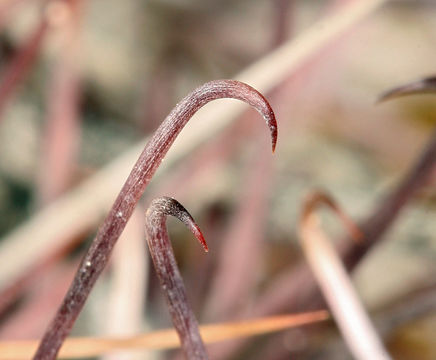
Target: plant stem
349,313
99,252
168,273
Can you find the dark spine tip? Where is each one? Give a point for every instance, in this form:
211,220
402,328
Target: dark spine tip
169,206
272,124
421,86
199,235
270,118
274,141
238,90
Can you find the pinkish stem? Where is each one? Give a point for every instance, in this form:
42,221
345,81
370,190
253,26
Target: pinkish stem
168,273
98,254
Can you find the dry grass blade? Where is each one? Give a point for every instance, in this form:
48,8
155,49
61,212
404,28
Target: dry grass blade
335,283
168,273
422,86
74,213
164,339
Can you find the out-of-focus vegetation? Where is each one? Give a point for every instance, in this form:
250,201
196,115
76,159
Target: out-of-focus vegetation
106,74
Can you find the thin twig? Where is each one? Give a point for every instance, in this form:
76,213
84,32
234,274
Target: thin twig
98,254
163,339
354,323
168,273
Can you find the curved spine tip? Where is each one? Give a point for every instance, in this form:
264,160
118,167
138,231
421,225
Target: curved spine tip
318,197
421,86
169,275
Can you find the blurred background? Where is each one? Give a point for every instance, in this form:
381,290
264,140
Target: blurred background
84,82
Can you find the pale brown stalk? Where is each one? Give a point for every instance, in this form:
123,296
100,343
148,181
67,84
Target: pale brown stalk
349,313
